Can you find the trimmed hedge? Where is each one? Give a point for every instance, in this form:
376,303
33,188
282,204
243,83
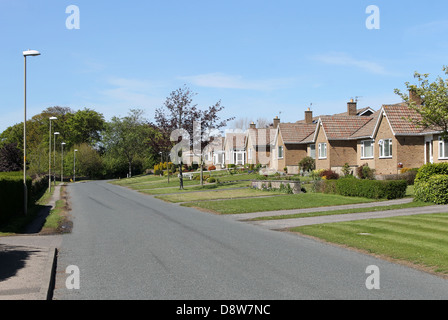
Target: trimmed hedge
373,189
11,194
431,183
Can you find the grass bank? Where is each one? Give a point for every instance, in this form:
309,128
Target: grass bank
419,240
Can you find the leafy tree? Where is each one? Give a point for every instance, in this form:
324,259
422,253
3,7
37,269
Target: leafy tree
11,158
127,136
433,108
307,164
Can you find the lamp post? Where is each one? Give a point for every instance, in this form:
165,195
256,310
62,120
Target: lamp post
30,53
49,156
54,156
62,161
74,165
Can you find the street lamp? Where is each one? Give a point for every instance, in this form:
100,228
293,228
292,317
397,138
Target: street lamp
25,189
74,165
54,156
49,156
62,161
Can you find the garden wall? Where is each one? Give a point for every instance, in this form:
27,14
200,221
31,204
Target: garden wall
294,186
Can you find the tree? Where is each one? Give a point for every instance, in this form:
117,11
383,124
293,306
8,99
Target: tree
127,136
10,158
196,127
433,96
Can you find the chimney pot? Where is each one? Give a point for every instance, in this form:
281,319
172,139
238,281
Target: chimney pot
308,116
352,109
276,122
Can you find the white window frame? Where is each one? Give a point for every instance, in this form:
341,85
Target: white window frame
313,149
381,144
443,149
249,154
363,149
280,153
322,150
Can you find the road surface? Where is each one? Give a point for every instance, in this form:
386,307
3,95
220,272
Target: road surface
127,245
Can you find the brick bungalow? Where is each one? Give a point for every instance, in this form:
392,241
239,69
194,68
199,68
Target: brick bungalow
290,143
258,145
235,148
398,143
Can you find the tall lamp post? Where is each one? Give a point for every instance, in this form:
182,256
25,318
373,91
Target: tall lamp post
74,165
54,157
29,53
62,161
49,156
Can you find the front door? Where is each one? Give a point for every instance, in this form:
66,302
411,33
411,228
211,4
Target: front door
428,152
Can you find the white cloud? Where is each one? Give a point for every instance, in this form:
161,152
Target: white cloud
220,80
343,59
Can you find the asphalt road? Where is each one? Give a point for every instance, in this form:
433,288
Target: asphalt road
128,245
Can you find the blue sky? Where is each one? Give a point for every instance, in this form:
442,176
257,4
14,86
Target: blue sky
260,58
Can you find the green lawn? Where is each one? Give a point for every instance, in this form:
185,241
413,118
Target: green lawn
213,195
415,204
419,239
299,201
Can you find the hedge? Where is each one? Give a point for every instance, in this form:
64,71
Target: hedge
11,195
431,183
373,189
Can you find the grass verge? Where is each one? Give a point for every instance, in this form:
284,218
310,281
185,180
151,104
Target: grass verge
420,241
286,202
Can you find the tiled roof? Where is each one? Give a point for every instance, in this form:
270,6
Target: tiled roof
235,140
343,127
296,132
399,116
262,136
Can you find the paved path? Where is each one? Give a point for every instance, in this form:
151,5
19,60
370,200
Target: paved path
297,222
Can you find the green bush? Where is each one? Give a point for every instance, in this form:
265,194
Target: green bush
211,180
373,189
11,195
434,189
430,184
430,169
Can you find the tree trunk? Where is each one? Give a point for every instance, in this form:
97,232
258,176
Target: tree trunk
130,169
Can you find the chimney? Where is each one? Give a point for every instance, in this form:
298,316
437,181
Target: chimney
276,122
352,108
309,116
252,125
414,97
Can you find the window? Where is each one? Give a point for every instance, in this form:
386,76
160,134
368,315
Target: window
366,149
313,151
443,149
280,152
249,154
322,150
385,148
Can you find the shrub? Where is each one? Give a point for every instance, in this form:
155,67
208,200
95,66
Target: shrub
211,180
430,183
435,189
329,175
212,167
11,195
365,172
373,189
346,171
307,164
430,169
